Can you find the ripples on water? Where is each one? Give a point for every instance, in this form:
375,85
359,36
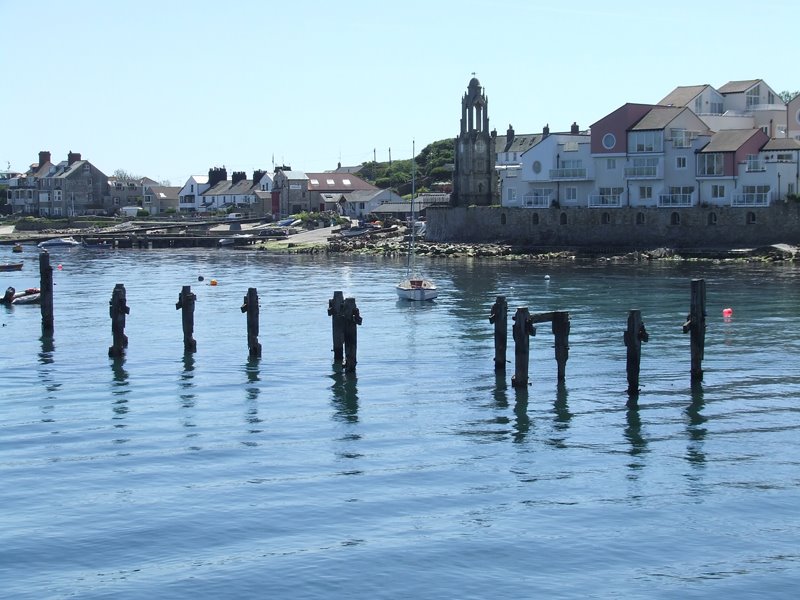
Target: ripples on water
424,475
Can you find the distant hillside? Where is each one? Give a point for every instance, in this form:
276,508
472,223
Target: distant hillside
434,166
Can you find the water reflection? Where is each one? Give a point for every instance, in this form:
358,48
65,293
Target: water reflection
561,408
187,395
633,434
500,390
119,391
694,428
522,423
252,368
345,395
46,358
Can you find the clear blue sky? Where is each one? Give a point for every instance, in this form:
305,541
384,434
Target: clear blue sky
169,88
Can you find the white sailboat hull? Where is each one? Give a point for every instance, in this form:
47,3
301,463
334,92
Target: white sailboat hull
417,289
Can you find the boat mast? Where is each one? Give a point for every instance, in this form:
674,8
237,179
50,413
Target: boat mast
413,215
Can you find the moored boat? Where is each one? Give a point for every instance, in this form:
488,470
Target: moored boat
59,242
11,266
28,296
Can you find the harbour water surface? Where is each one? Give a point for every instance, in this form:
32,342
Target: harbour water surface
425,474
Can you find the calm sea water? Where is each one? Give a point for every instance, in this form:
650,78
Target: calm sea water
424,475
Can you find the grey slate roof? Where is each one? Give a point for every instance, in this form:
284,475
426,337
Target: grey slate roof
782,144
336,182
729,140
657,118
738,87
519,144
683,95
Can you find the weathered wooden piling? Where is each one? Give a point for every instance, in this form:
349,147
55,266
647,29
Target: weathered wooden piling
186,300
335,311
351,319
522,330
46,293
695,326
250,306
633,337
499,317
560,325
118,309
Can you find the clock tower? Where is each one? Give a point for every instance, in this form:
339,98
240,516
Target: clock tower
474,177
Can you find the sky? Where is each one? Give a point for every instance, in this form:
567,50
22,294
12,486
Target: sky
168,89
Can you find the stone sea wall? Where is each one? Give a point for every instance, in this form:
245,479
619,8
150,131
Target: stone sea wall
618,228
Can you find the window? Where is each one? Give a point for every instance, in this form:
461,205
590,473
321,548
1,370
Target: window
315,182
330,182
571,147
148,199
537,166
346,182
563,218
645,192
640,218
116,200
611,164
680,162
646,141
698,105
511,195
675,219
503,219
712,218
717,191
755,164
535,218
571,194
606,218
751,218
712,163
609,141
753,95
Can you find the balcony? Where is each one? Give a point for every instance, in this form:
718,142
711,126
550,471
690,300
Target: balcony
605,201
755,199
571,173
648,172
674,200
536,201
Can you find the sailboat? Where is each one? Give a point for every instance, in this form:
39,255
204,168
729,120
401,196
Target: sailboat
415,287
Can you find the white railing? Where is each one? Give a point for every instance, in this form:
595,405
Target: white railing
756,166
755,199
535,201
605,201
641,172
570,173
674,200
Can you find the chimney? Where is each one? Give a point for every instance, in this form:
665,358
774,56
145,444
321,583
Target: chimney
44,157
546,130
215,175
238,176
257,175
73,157
574,130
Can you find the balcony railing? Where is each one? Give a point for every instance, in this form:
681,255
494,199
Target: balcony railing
605,201
649,172
756,199
756,166
532,201
674,200
571,173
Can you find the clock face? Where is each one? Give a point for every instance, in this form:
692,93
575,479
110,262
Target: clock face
609,141
537,166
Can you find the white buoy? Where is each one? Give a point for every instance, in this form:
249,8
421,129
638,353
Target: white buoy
547,277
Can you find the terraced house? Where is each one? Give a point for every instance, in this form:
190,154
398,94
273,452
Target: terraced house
736,146
71,187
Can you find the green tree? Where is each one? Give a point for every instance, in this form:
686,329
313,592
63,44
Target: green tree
786,96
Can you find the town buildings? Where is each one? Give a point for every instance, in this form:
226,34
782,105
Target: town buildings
699,146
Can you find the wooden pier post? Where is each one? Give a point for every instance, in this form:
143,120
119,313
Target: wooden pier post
561,326
351,318
250,306
522,330
634,335
118,309
186,300
499,317
335,311
46,293
695,325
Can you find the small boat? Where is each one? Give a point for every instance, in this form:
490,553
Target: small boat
95,243
11,266
28,296
17,248
415,287
59,242
236,240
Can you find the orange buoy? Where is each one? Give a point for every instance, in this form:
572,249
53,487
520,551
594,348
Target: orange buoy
213,282
727,312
